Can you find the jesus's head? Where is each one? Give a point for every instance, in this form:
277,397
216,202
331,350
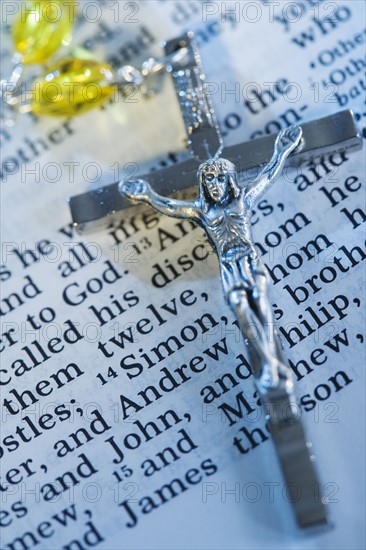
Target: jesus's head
218,181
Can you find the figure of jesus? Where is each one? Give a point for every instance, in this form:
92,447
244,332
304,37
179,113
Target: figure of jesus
223,210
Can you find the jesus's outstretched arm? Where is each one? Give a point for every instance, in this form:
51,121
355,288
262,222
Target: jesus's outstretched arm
141,191
287,141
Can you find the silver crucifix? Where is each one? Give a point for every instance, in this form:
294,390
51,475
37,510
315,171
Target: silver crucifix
223,209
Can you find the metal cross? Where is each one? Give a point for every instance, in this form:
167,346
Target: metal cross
223,209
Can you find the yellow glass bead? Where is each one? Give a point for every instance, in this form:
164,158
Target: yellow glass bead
72,87
42,27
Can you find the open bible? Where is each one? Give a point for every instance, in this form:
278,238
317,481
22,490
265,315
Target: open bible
129,414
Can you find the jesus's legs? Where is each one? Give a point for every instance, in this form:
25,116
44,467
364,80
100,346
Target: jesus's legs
250,303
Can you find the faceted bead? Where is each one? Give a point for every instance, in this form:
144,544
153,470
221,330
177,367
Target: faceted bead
42,27
72,87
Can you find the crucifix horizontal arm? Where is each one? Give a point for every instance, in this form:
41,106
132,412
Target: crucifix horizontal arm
320,137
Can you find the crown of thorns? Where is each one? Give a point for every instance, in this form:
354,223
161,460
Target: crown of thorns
217,167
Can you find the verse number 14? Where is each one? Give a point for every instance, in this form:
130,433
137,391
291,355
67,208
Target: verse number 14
111,373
